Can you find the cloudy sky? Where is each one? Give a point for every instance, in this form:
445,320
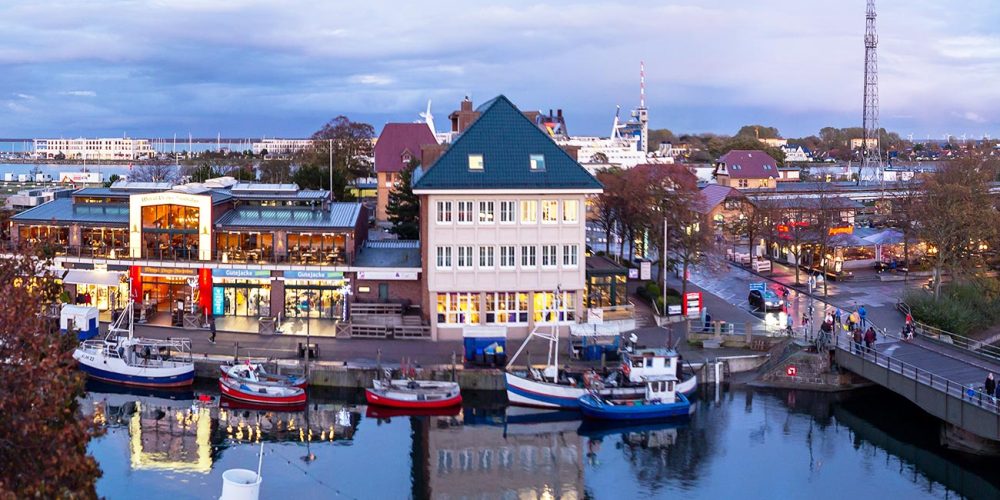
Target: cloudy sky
246,68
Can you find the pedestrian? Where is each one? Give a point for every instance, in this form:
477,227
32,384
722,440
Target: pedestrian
990,386
836,316
862,313
870,338
211,328
857,340
909,318
790,322
828,318
853,320
86,298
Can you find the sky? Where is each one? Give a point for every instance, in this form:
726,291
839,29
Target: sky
246,68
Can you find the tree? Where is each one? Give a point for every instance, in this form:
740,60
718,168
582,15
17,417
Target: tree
43,442
275,171
719,148
201,173
153,172
352,148
113,179
659,136
668,196
690,241
957,216
906,207
758,132
608,204
403,207
309,176
599,157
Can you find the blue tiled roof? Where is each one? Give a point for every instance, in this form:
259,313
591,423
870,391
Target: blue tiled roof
63,210
505,138
340,215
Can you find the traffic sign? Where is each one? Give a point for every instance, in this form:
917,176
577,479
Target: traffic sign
791,371
759,286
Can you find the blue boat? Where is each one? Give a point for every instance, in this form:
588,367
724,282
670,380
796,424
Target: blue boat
661,401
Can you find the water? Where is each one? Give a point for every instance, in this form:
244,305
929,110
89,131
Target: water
749,444
54,169
158,145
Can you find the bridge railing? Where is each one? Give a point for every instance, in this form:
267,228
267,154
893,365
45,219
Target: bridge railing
972,394
938,335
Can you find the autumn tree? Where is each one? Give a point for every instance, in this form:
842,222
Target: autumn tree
957,216
906,206
826,211
348,146
403,207
608,204
43,442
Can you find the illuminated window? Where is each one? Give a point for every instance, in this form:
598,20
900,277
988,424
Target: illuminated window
548,311
550,211
507,307
571,211
529,211
458,308
475,162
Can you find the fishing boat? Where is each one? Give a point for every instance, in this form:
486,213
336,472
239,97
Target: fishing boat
552,388
386,412
256,374
260,394
405,393
122,358
660,401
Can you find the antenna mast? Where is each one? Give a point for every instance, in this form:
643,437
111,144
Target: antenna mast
642,113
871,153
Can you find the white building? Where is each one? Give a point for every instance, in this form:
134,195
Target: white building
121,148
796,153
504,239
280,147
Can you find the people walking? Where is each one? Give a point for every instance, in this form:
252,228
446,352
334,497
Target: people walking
790,322
863,314
870,339
852,320
990,386
857,340
211,328
836,317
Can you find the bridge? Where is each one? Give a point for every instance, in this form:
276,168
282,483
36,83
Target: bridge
941,375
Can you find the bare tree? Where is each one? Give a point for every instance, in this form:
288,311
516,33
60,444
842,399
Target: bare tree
153,172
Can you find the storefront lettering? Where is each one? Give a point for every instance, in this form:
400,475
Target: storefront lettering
314,275
241,273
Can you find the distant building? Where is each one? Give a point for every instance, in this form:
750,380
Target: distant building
856,143
121,148
789,174
280,147
795,153
742,168
397,146
774,142
722,205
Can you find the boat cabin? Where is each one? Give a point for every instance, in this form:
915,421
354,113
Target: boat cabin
661,388
643,363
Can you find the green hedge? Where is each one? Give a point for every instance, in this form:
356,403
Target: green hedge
652,292
964,308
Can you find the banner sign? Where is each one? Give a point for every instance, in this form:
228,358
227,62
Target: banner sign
241,273
314,275
218,301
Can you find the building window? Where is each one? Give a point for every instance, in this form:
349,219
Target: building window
743,183
550,211
507,256
507,307
570,255
529,211
486,212
547,310
444,212
458,308
548,255
465,257
571,211
486,257
506,212
537,162
528,256
443,257
475,162
465,212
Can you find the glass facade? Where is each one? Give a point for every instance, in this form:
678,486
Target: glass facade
100,242
244,247
314,299
250,298
307,248
507,308
104,297
458,308
55,235
170,232
606,291
547,311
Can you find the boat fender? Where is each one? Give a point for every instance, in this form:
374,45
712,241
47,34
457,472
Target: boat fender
626,369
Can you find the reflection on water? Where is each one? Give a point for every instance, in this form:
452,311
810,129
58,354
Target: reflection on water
749,444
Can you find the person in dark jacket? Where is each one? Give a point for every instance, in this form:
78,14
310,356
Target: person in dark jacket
990,386
870,338
857,340
211,329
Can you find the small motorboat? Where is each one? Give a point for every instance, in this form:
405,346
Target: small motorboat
661,401
256,374
261,394
405,393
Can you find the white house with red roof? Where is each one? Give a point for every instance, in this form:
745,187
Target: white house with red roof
743,168
396,147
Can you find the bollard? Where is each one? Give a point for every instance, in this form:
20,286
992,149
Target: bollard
452,366
236,352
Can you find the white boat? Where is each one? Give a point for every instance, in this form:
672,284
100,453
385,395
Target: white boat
122,358
548,388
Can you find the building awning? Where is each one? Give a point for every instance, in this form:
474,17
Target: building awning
104,278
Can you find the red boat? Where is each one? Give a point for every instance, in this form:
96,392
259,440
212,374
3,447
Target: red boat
270,395
383,412
236,404
414,394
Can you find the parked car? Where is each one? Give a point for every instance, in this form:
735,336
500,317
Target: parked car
766,301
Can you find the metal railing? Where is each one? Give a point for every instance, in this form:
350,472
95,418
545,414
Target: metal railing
929,332
969,393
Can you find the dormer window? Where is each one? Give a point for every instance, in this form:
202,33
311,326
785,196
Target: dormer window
406,158
475,162
537,162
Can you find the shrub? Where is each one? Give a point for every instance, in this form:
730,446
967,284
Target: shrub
964,308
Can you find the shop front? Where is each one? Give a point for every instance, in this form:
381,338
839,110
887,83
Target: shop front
102,289
316,294
165,289
241,292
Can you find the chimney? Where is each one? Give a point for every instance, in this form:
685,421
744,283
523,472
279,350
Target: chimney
559,113
466,104
572,151
429,153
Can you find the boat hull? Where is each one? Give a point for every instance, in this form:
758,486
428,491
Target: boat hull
275,380
594,408
380,398
114,370
522,391
299,398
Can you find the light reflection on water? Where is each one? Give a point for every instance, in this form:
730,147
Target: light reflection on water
749,444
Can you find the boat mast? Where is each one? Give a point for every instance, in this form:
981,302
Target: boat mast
555,334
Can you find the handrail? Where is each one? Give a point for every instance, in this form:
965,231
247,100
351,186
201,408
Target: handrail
937,382
959,341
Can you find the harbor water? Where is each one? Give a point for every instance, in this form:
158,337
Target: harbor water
745,443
